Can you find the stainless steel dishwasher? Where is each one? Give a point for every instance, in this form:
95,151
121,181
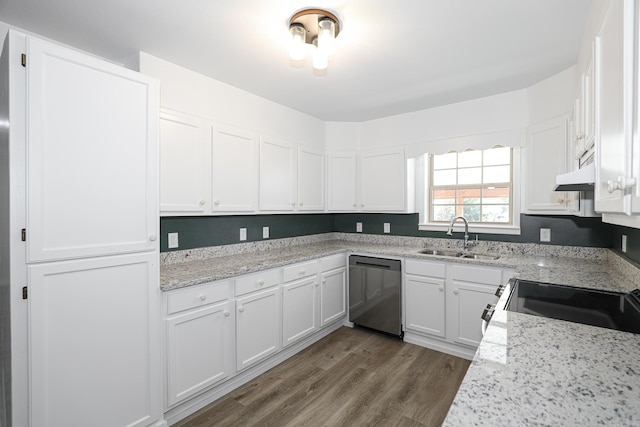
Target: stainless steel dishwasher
374,293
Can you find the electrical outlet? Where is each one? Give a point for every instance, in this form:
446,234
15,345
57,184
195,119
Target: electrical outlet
624,243
358,227
243,234
173,240
545,234
387,227
265,232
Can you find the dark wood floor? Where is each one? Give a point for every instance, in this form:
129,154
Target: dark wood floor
349,378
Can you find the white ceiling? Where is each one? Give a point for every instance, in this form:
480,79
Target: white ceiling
391,56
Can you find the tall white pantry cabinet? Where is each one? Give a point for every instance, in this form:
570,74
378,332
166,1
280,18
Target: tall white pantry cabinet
79,195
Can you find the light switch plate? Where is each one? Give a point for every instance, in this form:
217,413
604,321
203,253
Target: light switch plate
243,234
387,227
265,232
545,234
624,243
172,240
358,227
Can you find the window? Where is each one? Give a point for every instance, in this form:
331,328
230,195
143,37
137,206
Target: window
477,184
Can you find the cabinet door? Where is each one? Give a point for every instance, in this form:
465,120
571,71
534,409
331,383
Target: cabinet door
588,99
235,166
546,158
468,300
425,305
310,180
299,310
92,165
333,294
94,342
277,176
342,173
184,154
614,94
382,180
198,350
257,327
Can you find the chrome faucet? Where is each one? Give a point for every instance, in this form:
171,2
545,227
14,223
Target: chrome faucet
466,229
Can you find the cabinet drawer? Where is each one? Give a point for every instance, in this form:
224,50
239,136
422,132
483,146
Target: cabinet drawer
332,262
298,271
197,296
489,276
425,268
257,281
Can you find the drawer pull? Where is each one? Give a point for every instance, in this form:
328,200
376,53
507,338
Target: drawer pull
302,272
260,282
203,297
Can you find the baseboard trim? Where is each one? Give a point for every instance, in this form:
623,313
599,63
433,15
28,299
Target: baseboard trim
438,345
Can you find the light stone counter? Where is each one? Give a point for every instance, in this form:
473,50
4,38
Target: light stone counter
534,371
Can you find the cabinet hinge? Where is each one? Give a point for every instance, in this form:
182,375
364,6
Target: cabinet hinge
24,292
24,234
24,59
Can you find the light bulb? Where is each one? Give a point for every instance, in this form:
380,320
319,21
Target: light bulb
297,48
320,59
326,35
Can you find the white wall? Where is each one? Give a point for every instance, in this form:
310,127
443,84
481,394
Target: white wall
342,135
552,97
191,92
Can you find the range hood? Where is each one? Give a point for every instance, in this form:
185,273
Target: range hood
582,179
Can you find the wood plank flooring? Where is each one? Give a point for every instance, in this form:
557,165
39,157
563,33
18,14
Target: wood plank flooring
352,377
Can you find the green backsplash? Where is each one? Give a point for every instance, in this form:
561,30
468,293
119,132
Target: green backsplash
195,232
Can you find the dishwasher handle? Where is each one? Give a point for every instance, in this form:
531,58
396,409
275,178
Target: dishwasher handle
372,262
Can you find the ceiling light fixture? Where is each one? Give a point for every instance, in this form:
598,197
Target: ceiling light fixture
316,27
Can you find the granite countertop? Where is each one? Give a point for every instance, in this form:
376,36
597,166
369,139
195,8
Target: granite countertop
535,371
561,270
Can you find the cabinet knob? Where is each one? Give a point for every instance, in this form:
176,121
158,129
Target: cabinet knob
441,288
153,237
317,284
241,309
324,280
362,205
227,314
260,282
456,292
560,200
217,202
301,273
355,205
203,297
293,204
300,204
202,202
621,184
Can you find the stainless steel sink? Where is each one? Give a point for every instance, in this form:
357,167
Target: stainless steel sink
440,252
480,256
457,254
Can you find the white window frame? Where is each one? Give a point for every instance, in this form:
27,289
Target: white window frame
423,200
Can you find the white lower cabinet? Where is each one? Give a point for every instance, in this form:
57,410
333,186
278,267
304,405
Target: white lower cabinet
299,309
257,327
199,329
333,291
424,297
444,301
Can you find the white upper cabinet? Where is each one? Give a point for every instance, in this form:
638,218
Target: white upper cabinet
184,169
546,158
277,175
342,181
310,179
614,109
234,170
382,180
92,166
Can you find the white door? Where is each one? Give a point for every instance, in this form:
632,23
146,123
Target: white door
342,187
235,170
184,153
382,180
92,168
299,309
333,292
546,158
277,176
198,352
614,108
468,300
94,342
425,305
310,179
257,327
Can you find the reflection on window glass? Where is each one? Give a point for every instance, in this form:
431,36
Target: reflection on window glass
465,184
